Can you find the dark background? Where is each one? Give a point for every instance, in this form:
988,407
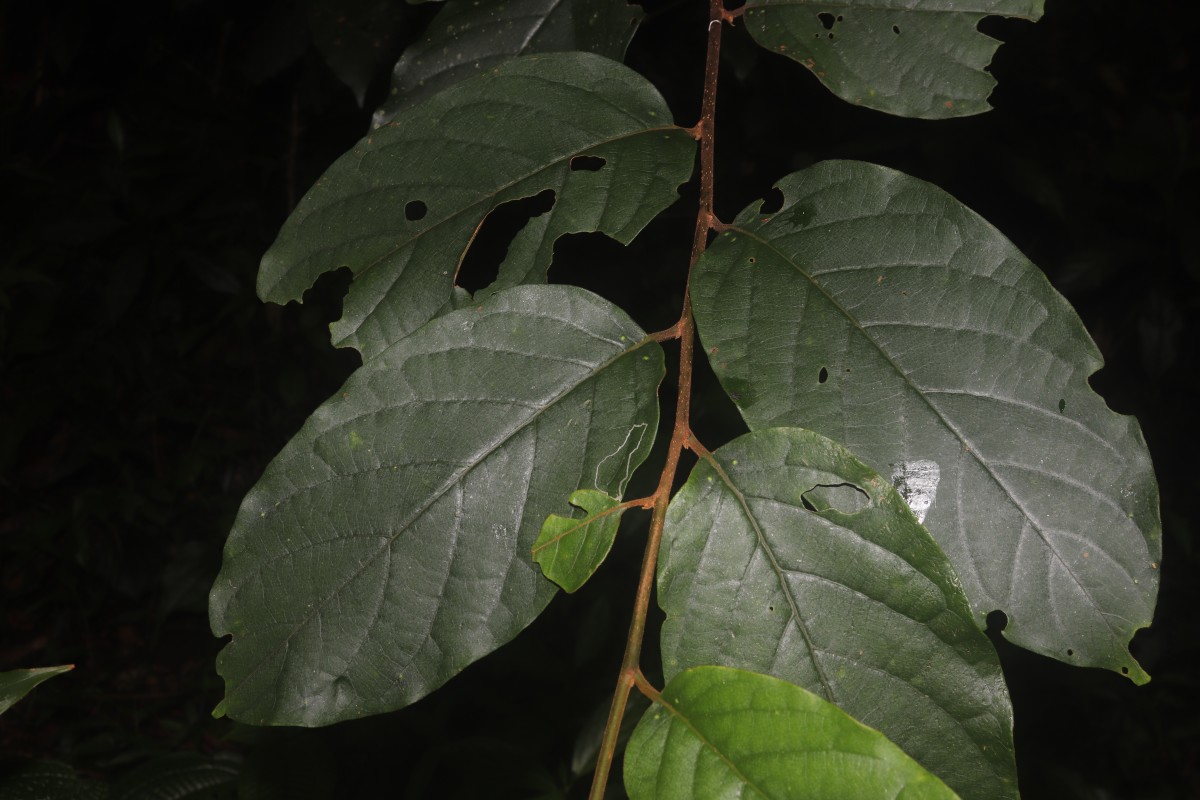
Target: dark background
150,151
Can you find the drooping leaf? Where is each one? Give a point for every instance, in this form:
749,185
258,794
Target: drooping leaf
468,37
356,37
914,58
388,546
786,555
402,207
877,310
720,732
570,549
17,683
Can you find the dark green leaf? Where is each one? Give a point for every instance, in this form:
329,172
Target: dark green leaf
786,555
17,683
718,732
403,206
388,546
49,780
468,37
570,549
879,311
180,776
356,37
915,58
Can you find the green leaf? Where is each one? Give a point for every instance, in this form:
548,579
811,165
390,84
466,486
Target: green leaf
387,547
180,776
17,683
877,310
914,58
468,37
48,780
717,732
402,207
786,555
570,549
356,37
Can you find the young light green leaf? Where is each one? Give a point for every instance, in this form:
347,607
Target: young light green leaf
717,732
784,554
570,549
403,206
387,547
17,683
468,37
914,58
877,310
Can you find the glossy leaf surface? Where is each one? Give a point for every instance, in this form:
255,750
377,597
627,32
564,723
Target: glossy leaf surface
388,545
402,207
570,549
468,37
877,310
786,555
726,733
914,58
16,683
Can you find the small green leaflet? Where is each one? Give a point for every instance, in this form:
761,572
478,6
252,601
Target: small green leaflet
403,206
913,58
388,545
721,732
570,549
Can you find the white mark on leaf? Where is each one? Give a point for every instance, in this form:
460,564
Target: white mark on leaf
640,428
917,482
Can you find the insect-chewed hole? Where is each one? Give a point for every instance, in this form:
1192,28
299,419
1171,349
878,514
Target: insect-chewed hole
896,29
587,163
827,20
481,264
1062,405
996,621
772,201
415,210
823,375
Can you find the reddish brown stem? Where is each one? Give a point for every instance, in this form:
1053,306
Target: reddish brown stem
681,435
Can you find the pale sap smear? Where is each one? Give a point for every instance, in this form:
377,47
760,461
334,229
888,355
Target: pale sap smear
640,429
917,482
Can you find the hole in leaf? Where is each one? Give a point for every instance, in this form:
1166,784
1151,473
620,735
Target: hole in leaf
587,163
415,210
996,621
843,497
1070,652
823,375
827,19
770,608
772,201
1062,405
1124,670
896,29
488,248
840,17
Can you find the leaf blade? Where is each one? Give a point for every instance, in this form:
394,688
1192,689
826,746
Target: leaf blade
763,567
570,549
466,38
15,684
402,515
921,59
917,335
721,732
402,207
